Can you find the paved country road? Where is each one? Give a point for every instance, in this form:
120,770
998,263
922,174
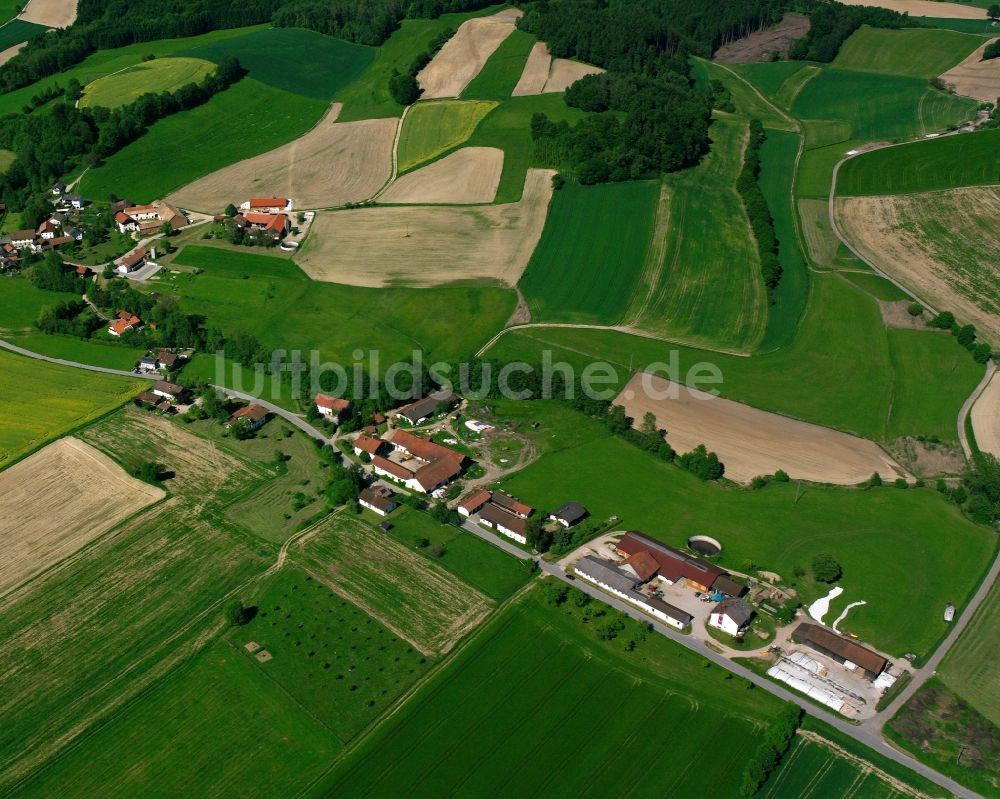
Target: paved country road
868,735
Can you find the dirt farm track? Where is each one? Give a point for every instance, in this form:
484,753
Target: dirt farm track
750,441
57,500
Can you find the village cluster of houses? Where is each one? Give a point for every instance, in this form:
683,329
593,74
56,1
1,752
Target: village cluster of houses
54,231
164,396
145,220
417,463
266,214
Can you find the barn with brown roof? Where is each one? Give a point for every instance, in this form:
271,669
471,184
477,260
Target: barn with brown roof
841,649
674,565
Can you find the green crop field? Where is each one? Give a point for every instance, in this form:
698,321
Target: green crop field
508,126
590,260
47,400
879,106
410,594
432,128
501,72
816,169
21,303
840,371
158,75
749,104
980,26
969,668
971,159
920,53
473,560
244,120
884,539
17,30
212,728
537,674
709,290
269,54
770,76
275,301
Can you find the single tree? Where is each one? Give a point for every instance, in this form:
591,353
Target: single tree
236,613
826,569
230,210
993,12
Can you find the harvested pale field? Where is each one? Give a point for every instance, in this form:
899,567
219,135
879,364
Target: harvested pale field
464,54
924,8
820,239
410,594
986,418
469,175
564,73
944,246
10,52
976,78
56,501
333,164
429,246
750,441
536,71
53,13
896,313
761,45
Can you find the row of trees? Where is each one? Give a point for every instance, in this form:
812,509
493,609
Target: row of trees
777,738
403,86
761,221
964,334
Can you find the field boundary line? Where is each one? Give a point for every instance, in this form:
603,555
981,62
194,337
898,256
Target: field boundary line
796,125
967,406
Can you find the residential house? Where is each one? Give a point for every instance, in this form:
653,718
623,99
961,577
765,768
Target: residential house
331,407
252,415
267,205
169,391
473,503
74,201
365,443
58,241
569,514
503,521
724,584
512,505
23,240
58,188
731,615
848,653
276,224
84,271
378,499
133,261
126,224
47,230
147,363
165,359
147,218
420,464
422,410
675,565
123,323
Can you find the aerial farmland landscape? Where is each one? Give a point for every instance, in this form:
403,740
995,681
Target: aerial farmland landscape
458,398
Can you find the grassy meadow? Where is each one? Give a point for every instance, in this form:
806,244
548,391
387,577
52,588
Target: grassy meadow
937,556
770,76
968,668
17,30
917,52
158,75
590,260
968,159
501,72
433,128
244,120
550,680
266,54
48,400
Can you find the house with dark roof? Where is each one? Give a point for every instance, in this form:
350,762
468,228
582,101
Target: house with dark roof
664,611
675,565
512,505
841,649
569,514
473,503
731,615
169,391
132,261
422,409
623,583
503,521
379,499
724,584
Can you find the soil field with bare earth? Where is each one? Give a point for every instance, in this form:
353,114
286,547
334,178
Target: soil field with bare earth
429,246
761,45
986,418
10,52
464,54
750,441
53,13
332,164
945,246
56,501
924,8
976,78
407,592
469,175
544,74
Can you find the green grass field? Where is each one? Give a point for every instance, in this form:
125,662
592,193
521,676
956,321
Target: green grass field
590,260
880,107
246,119
501,72
211,728
483,566
158,75
17,30
983,26
816,169
770,76
433,128
21,303
267,54
709,290
919,53
783,527
274,300
968,159
43,401
840,371
749,104
539,681
6,159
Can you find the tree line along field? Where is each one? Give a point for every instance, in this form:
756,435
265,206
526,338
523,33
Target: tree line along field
49,400
272,299
158,75
589,263
781,529
550,680
844,368
433,128
968,159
